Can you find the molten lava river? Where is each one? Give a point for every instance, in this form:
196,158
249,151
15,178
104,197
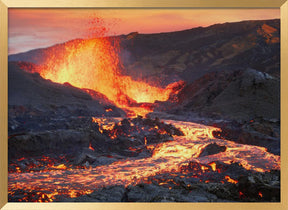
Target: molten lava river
168,158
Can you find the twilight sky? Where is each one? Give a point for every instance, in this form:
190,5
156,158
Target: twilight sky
38,28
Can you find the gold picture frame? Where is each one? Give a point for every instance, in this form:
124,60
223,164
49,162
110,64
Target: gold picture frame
5,4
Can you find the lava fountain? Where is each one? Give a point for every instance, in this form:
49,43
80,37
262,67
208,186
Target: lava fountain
94,64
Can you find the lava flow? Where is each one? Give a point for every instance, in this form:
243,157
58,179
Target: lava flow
168,157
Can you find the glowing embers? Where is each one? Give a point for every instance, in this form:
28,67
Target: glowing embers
39,164
43,164
193,173
145,130
212,172
37,195
229,179
90,147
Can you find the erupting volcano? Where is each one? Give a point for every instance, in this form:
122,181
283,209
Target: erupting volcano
183,119
94,64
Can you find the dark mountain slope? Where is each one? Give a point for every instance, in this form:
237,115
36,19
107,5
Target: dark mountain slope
35,93
190,54
238,95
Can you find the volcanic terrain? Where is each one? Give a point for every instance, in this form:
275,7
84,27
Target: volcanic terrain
188,116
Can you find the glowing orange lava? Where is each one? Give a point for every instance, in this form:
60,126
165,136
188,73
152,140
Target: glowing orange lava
229,179
213,166
94,64
260,194
90,147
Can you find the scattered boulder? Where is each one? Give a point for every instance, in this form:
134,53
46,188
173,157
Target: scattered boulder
212,149
86,156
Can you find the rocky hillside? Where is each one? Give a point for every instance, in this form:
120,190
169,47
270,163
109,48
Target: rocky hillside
190,54
238,95
30,94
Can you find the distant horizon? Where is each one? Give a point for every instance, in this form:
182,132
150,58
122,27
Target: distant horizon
138,33
31,29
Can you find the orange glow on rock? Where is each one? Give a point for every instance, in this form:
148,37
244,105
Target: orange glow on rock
90,147
61,166
229,179
213,166
241,195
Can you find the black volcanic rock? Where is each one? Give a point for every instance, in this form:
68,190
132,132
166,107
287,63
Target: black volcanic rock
212,149
236,95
